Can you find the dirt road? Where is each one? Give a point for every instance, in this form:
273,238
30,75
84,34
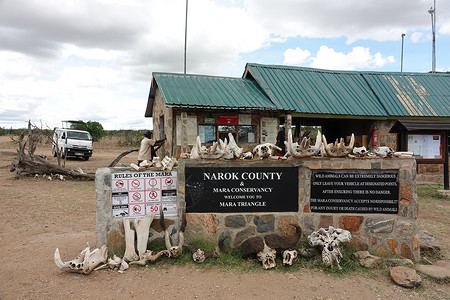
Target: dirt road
39,216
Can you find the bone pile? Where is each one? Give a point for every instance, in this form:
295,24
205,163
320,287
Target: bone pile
166,165
330,241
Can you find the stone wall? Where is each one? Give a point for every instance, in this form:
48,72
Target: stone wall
383,234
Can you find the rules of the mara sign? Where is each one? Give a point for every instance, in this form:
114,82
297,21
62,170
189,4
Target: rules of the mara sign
241,189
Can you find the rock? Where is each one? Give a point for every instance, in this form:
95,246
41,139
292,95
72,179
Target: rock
405,277
235,221
375,225
440,270
265,223
394,262
366,259
427,242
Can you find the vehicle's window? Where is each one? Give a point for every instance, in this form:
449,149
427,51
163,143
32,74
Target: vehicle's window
78,135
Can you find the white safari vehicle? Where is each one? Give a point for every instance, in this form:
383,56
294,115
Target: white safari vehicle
72,142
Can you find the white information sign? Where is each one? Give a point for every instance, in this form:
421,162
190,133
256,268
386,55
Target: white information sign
269,130
140,193
426,145
191,128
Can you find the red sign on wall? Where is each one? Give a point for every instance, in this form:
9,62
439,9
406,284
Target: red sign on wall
228,120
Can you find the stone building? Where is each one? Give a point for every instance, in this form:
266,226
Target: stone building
404,111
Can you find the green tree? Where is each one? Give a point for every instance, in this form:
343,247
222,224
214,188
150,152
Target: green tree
93,127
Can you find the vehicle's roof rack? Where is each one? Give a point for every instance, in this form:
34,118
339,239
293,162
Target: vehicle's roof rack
65,123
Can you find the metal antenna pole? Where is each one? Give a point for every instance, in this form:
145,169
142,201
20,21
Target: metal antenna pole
432,12
185,36
401,64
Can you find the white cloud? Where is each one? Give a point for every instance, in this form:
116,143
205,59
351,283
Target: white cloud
94,58
295,56
417,37
359,57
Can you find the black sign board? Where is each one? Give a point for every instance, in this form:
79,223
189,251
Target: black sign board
368,191
239,189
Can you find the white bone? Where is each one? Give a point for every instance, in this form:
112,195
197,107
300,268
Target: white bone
304,150
142,226
338,149
130,252
384,151
134,166
330,241
360,151
403,154
289,256
84,263
267,257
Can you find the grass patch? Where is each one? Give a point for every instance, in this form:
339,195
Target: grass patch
430,191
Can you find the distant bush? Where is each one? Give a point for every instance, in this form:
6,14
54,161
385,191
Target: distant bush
130,138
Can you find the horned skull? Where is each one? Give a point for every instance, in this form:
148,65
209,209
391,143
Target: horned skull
267,257
289,256
330,241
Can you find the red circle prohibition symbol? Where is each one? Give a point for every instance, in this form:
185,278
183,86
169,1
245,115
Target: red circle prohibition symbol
119,184
152,182
169,181
153,195
137,209
136,196
135,183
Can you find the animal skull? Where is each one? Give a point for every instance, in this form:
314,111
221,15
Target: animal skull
304,149
267,257
265,150
330,241
199,256
289,256
338,149
360,151
85,262
384,151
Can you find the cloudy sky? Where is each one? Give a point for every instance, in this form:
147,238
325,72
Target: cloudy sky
94,59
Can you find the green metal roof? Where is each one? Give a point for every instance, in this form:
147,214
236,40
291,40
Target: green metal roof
352,93
412,94
315,91
201,91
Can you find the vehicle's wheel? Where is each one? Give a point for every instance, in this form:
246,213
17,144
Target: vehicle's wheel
54,152
62,154
86,158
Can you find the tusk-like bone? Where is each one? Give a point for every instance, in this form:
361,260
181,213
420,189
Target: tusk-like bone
130,252
142,226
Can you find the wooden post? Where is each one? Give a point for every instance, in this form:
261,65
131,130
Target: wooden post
446,170
184,132
287,124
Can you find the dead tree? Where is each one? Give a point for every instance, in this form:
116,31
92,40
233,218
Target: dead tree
29,164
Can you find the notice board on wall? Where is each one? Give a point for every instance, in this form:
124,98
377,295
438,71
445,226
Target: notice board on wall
354,191
137,194
426,146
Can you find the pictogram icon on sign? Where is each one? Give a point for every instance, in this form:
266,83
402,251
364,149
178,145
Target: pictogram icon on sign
169,181
152,182
119,184
135,183
136,196
136,209
153,195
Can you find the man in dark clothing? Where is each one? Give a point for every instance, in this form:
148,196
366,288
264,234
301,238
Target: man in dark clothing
281,137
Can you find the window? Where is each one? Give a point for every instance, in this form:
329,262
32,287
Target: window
207,133
246,134
225,129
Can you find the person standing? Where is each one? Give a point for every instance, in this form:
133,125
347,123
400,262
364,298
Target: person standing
145,151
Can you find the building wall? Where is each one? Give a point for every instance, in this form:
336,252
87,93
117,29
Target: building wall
160,129
383,234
